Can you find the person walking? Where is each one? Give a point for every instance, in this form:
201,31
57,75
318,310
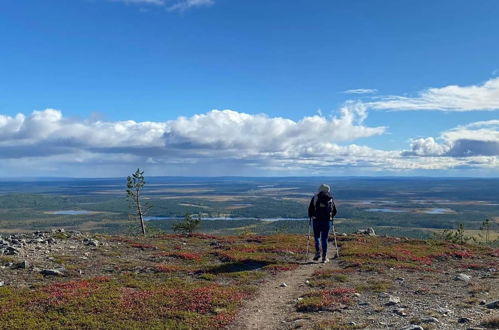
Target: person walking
321,212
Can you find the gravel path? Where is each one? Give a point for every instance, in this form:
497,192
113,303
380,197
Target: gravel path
274,305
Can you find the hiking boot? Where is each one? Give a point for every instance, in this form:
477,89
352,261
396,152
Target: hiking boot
317,256
325,260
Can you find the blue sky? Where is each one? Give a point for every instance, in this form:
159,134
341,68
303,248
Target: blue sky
309,87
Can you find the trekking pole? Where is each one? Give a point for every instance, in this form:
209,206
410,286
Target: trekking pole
308,236
335,243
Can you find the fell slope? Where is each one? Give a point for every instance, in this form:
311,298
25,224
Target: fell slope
75,280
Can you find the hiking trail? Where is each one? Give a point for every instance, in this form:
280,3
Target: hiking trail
273,306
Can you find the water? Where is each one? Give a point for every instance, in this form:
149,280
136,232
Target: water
71,212
437,211
386,210
154,218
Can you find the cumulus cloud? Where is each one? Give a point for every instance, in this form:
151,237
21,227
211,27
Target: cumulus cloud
227,142
475,139
361,91
448,98
223,132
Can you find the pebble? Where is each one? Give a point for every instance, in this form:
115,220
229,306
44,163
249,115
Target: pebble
430,319
412,327
400,312
443,310
462,277
283,285
463,320
2,283
392,300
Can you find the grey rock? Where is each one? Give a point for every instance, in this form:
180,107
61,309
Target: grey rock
462,277
11,251
23,264
430,319
2,283
52,272
400,312
392,300
464,320
412,327
493,305
443,310
369,231
283,285
91,242
364,303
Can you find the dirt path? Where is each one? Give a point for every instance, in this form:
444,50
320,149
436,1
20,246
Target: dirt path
274,305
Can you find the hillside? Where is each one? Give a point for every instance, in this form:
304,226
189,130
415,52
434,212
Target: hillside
63,279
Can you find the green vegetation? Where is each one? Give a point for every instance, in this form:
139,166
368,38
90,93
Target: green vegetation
188,226
165,281
134,184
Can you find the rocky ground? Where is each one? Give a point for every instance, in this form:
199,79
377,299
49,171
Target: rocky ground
242,282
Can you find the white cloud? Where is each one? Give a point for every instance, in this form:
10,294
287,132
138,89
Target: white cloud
223,132
171,5
227,142
143,2
188,4
475,139
361,91
449,98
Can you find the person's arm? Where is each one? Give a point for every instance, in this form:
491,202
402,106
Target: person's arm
333,213
311,209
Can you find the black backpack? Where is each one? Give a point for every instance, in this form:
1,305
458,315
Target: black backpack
323,206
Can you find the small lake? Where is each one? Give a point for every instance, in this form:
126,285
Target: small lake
153,218
438,211
71,212
386,210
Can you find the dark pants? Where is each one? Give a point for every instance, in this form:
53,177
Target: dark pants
321,234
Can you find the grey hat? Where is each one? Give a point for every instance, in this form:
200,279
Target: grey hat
324,187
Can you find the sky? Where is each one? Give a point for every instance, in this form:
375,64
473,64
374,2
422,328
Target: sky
98,88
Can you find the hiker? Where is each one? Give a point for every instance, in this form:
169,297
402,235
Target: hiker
321,212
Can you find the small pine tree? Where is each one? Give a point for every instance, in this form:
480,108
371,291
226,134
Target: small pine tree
486,227
188,225
135,184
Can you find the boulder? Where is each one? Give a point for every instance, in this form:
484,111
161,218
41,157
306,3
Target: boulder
52,272
493,305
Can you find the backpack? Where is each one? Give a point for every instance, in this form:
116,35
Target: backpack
323,206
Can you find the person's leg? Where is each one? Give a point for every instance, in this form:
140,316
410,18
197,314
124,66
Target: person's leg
317,233
326,226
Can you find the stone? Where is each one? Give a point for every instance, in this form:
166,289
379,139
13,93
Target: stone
493,305
369,231
356,294
283,285
412,327
364,303
464,320
392,300
430,319
52,272
23,264
443,310
462,277
2,283
10,251
91,242
400,312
